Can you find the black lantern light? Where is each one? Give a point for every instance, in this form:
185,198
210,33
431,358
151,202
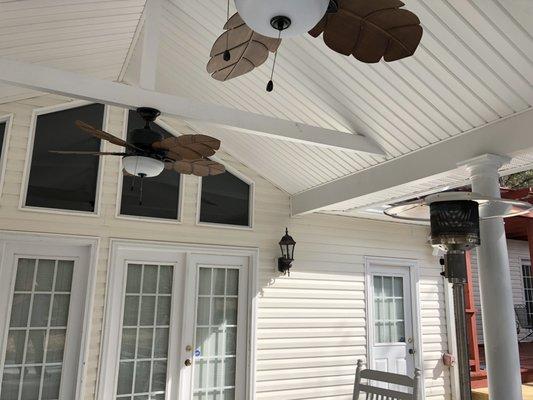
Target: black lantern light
286,245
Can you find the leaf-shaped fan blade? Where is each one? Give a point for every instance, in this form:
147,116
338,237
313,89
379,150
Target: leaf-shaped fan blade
89,153
202,167
248,50
91,130
190,147
370,30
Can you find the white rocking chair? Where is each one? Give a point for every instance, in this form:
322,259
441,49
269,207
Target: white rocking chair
379,393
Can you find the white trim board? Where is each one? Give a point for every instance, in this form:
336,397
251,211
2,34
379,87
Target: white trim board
8,120
71,84
507,136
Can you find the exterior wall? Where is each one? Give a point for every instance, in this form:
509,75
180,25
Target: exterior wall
311,326
518,252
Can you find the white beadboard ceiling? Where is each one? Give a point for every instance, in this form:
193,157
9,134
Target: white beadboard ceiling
474,66
86,36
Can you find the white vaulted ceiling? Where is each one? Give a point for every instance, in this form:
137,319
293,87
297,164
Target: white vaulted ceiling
87,36
473,67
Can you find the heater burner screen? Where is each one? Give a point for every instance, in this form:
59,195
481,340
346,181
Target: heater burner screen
455,223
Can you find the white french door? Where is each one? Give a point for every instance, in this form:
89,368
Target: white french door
391,332
215,332
176,327
43,291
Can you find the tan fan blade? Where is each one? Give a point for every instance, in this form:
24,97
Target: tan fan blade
202,167
101,134
89,153
189,147
371,30
248,50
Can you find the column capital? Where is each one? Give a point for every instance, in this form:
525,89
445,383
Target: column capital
485,162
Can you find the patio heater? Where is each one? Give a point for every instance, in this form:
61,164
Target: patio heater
454,220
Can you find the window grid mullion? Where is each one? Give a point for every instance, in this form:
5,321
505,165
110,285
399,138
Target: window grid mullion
154,330
137,330
27,336
47,334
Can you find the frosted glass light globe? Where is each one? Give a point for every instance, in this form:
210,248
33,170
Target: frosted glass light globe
142,166
304,15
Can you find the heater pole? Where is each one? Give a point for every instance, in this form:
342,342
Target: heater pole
455,272
463,354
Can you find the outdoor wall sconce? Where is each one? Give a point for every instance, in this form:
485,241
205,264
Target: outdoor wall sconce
286,245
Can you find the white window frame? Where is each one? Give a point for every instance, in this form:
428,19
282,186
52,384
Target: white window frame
525,262
412,265
122,252
251,205
29,152
15,245
8,120
118,214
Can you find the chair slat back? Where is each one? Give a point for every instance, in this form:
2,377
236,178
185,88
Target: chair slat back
522,316
379,393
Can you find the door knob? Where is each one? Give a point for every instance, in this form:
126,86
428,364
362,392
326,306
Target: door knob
412,351
188,362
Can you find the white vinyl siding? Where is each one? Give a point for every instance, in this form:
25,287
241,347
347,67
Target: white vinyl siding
518,253
311,326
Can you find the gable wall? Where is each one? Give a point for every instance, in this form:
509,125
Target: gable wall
311,326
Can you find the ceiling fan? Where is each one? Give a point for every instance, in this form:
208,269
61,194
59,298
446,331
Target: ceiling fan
367,29
147,154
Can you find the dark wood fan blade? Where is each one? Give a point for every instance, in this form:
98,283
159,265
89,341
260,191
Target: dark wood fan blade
190,147
89,153
371,30
101,134
202,167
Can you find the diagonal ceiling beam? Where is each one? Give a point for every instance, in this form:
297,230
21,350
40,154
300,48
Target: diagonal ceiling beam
508,136
70,84
150,45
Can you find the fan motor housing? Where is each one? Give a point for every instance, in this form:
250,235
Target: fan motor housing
455,224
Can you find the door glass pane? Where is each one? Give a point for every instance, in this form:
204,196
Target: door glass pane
35,344
388,309
216,333
144,345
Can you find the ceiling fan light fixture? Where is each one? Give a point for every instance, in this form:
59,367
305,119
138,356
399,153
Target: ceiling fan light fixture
145,167
302,14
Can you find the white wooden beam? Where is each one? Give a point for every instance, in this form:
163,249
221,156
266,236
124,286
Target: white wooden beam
83,87
509,136
151,39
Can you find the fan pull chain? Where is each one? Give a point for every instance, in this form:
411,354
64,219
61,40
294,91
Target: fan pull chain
132,183
270,84
142,176
227,54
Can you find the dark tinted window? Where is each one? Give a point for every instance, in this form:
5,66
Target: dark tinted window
2,137
61,181
225,200
160,194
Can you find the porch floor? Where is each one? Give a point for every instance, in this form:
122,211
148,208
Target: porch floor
479,383
483,394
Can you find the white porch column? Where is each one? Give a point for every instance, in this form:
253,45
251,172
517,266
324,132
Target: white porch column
499,331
